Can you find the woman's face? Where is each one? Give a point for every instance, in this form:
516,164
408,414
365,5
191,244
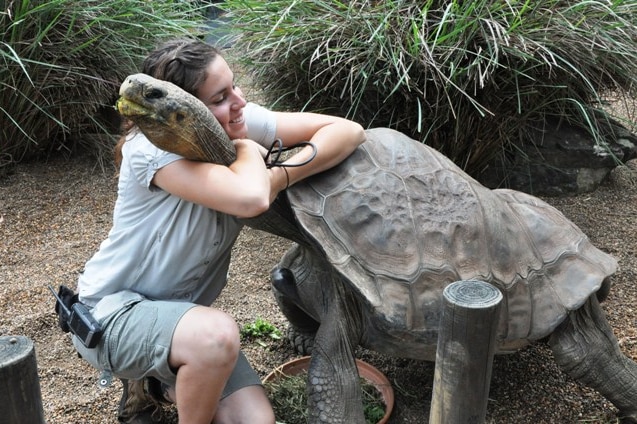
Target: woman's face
223,98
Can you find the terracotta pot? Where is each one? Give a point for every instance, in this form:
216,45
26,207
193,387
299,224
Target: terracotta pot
366,371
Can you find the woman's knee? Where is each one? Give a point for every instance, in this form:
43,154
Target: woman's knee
205,335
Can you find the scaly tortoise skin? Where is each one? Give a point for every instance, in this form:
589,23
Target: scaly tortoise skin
379,236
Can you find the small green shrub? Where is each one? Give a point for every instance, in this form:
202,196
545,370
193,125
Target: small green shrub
260,329
62,62
466,77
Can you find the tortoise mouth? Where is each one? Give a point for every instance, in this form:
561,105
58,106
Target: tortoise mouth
128,108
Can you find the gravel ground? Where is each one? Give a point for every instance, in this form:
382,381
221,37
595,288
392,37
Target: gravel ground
53,216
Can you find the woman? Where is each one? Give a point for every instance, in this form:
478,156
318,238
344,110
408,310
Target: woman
167,255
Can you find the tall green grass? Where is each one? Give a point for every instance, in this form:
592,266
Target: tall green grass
61,64
471,78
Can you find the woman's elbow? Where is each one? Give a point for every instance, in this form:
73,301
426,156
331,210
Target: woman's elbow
254,206
359,135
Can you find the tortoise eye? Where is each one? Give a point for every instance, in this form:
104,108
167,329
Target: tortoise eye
154,93
180,117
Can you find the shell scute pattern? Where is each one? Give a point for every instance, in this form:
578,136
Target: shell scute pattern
400,221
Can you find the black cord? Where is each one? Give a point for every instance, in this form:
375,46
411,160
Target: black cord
287,178
273,158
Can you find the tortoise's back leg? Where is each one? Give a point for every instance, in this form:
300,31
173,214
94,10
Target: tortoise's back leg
296,268
303,327
585,348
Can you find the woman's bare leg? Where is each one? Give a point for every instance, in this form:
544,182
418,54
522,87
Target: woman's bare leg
248,405
204,350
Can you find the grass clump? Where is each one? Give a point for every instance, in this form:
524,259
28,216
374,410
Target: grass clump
288,396
62,64
469,78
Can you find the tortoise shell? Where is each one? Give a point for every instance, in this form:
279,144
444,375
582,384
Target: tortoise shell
400,221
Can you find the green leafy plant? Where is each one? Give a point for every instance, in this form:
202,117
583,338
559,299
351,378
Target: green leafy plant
258,330
62,62
470,78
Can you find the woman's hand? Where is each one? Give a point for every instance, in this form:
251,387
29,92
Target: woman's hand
246,142
334,139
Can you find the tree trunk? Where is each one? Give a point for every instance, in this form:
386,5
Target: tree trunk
20,395
464,357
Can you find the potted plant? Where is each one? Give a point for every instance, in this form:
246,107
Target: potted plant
286,388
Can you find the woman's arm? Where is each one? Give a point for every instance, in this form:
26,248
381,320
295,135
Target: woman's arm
335,139
241,189
246,187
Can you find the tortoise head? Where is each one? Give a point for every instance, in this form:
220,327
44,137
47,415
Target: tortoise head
173,119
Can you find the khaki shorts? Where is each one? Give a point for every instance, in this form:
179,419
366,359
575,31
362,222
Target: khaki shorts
136,341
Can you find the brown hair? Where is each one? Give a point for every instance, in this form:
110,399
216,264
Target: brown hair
183,62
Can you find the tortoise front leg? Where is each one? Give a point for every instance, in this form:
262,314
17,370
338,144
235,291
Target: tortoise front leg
585,347
333,387
312,294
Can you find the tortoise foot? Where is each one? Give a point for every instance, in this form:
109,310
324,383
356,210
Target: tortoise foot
302,342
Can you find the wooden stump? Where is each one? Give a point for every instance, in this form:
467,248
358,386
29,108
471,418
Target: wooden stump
464,356
20,395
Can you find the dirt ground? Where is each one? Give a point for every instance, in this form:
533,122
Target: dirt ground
54,215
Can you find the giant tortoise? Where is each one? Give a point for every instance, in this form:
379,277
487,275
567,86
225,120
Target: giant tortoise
378,238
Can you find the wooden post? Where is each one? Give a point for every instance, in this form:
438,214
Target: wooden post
20,395
464,356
